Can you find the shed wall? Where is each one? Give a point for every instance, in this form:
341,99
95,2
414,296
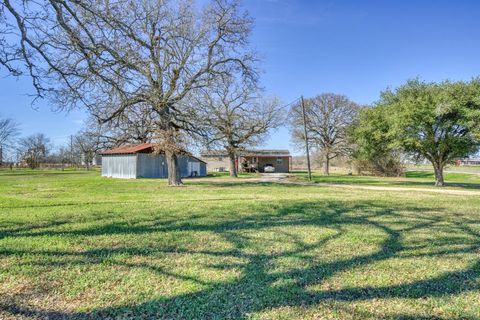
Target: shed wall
120,166
151,166
203,169
155,166
186,169
144,165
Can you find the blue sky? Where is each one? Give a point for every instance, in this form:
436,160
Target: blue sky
356,48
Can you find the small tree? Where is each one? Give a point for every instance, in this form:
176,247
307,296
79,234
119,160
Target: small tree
9,129
234,117
437,121
87,145
34,149
327,118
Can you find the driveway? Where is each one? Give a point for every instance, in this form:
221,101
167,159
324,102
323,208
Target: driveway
272,177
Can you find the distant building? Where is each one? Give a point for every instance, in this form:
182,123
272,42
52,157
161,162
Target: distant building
248,160
468,162
140,161
217,160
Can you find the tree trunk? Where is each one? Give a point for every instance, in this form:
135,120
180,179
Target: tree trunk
326,165
439,182
233,167
174,177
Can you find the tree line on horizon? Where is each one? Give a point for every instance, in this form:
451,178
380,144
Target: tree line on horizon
173,72
37,149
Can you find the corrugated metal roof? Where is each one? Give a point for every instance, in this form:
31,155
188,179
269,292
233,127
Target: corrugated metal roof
131,149
189,154
140,148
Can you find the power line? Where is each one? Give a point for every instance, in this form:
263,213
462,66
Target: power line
289,104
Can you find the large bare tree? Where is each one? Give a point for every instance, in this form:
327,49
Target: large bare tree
236,116
327,117
110,56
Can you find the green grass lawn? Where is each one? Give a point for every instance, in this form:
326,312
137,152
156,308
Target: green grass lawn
74,245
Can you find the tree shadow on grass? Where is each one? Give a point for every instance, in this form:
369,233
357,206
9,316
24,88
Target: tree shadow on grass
237,183
337,179
258,288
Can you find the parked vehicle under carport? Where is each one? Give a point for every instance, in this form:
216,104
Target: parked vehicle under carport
269,168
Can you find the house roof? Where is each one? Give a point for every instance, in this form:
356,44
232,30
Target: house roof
249,153
265,153
211,153
140,148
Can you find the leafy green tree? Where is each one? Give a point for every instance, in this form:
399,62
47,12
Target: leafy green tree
436,121
374,148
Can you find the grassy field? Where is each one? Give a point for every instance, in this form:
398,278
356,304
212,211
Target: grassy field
74,245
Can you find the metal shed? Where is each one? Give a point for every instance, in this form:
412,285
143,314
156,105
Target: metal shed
139,161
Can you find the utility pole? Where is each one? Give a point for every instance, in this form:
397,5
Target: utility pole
306,140
71,150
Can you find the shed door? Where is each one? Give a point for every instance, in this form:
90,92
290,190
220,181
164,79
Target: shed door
194,168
